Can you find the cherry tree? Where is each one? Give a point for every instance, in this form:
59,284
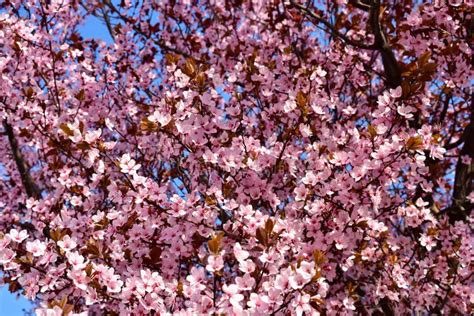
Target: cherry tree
239,157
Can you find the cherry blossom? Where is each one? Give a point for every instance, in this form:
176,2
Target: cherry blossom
232,292
67,243
18,236
36,248
128,165
237,157
406,111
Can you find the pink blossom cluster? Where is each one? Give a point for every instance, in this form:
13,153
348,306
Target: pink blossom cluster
229,157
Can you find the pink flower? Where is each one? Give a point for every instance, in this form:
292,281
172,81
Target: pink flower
406,111
109,278
290,105
298,280
247,266
162,118
300,193
282,282
305,130
309,178
259,303
384,100
76,260
17,236
5,241
214,263
48,258
92,136
414,19
114,284
321,72
427,241
128,165
232,78
6,256
396,93
306,269
420,203
37,248
55,311
339,158
232,292
181,79
67,243
74,128
348,303
76,201
240,254
151,281
79,278
197,279
245,283
301,304
437,152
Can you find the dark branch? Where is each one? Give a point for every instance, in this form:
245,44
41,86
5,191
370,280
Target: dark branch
393,72
360,4
463,181
165,48
392,69
329,28
30,186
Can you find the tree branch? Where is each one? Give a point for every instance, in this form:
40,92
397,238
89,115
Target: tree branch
30,186
360,4
137,29
330,29
392,69
463,181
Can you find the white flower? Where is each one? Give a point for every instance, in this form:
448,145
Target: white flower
67,243
92,136
289,106
128,165
17,236
239,253
76,260
406,111
37,248
232,292
162,118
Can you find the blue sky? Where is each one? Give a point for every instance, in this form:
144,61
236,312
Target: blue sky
10,304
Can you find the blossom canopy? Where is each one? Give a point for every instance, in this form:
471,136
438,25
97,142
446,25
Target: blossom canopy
238,157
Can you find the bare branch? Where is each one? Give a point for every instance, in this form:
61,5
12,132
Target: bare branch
161,44
360,4
330,29
105,16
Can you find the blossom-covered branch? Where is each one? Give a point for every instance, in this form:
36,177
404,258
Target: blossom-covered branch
237,157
